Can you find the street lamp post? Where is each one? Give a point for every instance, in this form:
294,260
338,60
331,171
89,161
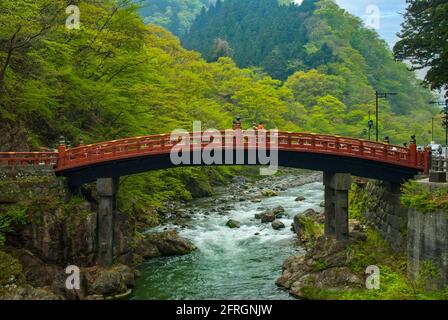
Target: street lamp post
370,125
379,95
432,131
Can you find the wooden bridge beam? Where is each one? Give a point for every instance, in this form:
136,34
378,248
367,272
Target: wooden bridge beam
107,189
337,186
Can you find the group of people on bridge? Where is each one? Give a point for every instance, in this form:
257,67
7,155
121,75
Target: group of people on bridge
237,125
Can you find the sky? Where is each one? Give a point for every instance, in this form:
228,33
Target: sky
390,15
390,18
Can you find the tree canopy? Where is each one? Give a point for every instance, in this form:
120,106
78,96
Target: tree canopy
318,50
116,77
424,40
174,15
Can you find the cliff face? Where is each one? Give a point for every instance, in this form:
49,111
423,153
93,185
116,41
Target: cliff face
56,231
47,234
12,137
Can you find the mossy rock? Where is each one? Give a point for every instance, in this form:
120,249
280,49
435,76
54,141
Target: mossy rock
233,224
11,273
269,193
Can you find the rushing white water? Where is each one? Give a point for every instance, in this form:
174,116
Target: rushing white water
240,263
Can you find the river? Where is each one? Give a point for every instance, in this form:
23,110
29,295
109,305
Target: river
229,263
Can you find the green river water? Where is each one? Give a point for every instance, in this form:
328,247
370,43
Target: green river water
229,263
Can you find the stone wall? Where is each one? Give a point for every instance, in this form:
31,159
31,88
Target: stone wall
428,242
385,213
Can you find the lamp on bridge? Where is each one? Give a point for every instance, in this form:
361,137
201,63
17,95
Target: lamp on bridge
61,141
379,95
61,148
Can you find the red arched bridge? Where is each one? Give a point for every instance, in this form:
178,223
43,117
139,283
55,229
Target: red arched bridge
337,157
327,153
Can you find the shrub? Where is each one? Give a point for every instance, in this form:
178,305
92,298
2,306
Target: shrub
357,199
13,216
417,196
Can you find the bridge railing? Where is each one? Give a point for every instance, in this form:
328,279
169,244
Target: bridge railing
21,159
159,144
348,147
162,144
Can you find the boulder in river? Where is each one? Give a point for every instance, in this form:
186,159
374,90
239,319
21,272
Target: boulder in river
267,216
277,225
300,198
268,193
106,283
181,213
271,215
232,224
278,211
307,225
167,243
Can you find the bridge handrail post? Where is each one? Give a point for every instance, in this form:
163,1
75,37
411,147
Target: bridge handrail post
413,154
162,142
61,160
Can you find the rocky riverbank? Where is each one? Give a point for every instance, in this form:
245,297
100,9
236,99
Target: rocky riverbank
45,234
326,264
242,235
244,189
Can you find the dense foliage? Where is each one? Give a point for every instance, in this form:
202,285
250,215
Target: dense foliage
117,77
332,63
175,15
424,40
419,197
375,251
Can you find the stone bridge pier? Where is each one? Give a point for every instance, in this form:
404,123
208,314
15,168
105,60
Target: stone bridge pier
107,189
337,186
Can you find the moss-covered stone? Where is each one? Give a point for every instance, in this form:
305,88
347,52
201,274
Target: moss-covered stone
308,226
11,275
232,224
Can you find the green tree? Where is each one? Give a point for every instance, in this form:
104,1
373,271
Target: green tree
307,87
221,48
423,40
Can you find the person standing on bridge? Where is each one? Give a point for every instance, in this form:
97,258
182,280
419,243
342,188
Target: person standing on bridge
254,126
237,123
261,126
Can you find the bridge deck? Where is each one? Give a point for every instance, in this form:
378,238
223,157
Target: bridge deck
295,149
